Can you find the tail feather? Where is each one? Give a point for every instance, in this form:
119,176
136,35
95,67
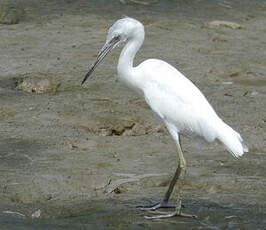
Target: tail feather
232,140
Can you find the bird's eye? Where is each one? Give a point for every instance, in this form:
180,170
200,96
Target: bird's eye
117,37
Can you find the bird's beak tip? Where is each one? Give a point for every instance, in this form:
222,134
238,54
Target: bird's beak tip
83,81
104,51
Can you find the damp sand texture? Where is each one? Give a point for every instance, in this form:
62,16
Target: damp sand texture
64,149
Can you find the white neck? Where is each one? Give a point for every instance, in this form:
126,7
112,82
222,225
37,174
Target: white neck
126,59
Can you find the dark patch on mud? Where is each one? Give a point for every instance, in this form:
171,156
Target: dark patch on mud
17,153
10,83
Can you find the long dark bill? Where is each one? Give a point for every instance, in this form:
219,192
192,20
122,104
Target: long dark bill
104,51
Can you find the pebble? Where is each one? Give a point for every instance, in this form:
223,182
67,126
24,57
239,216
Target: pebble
36,214
227,82
254,93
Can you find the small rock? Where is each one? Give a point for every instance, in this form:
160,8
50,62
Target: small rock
117,191
254,93
218,38
39,83
36,214
230,217
227,82
228,94
218,24
235,74
84,145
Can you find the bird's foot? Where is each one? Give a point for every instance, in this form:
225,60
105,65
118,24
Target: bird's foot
169,214
161,204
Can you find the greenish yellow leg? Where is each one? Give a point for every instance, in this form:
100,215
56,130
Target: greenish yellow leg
179,177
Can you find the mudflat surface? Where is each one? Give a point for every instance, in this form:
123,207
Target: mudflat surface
75,157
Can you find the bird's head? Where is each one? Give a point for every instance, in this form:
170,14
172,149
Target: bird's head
122,30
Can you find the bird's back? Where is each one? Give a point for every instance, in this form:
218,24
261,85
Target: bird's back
176,100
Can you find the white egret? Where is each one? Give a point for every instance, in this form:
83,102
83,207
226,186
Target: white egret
172,97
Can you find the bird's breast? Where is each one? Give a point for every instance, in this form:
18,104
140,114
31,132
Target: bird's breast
132,82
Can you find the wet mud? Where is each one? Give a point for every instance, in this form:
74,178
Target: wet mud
81,157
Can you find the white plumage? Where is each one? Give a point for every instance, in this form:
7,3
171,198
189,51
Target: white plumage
171,96
178,102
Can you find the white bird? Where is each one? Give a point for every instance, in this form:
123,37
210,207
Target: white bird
172,97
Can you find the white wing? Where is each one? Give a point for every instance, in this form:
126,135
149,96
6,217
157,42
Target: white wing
176,100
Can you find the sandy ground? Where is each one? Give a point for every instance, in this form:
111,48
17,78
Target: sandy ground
64,153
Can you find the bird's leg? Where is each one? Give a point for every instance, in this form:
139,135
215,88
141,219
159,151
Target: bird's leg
180,176
164,202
